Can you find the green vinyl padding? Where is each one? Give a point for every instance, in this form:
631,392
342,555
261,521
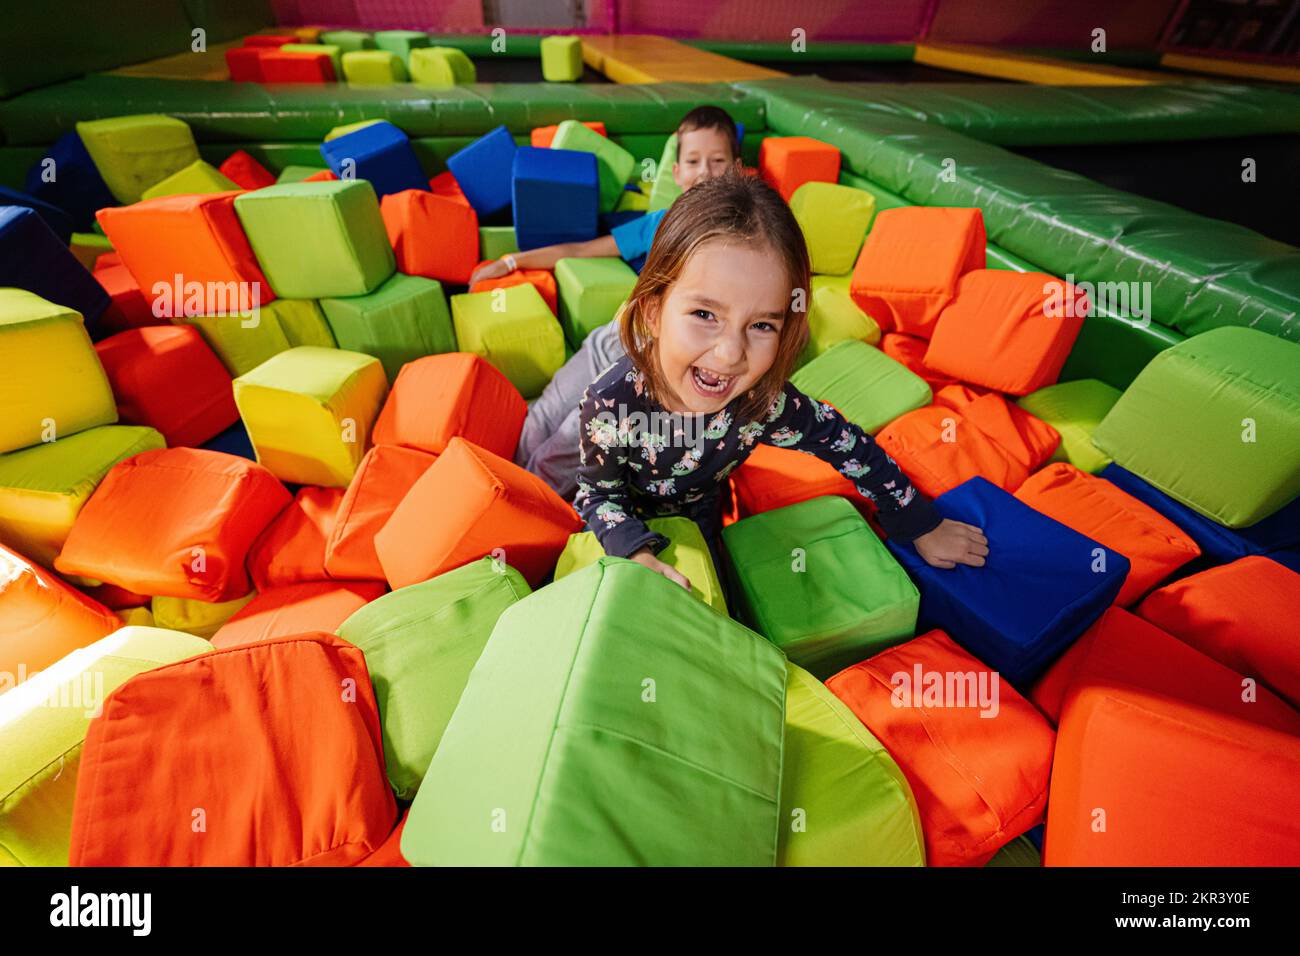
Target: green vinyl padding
814,579
421,642
1214,422
404,319
45,720
864,384
1074,409
823,51
611,720
844,802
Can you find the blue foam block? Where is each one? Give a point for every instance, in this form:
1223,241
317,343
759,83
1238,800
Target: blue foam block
71,182
483,169
33,258
740,136
555,194
233,441
60,222
1036,593
1218,544
381,153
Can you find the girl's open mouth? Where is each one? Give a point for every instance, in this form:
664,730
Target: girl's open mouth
710,383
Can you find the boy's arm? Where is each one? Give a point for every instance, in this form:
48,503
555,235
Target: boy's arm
545,257
603,499
816,428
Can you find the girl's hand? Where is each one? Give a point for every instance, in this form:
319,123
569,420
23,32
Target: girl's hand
489,270
646,556
953,543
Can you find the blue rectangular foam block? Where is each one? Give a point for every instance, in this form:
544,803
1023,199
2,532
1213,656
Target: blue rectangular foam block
66,177
1042,584
60,222
1218,544
555,195
381,153
483,169
33,258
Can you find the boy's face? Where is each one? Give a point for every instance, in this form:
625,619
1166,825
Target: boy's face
702,154
718,327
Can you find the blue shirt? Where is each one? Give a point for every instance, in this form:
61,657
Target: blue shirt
634,238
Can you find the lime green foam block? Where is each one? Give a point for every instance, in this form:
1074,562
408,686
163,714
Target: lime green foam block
868,387
43,722
1214,422
296,174
401,42
332,50
406,318
611,720
629,201
197,177
318,240
373,68
348,40
561,59
421,642
42,488
814,579
591,292
614,164
301,322
442,67
831,282
309,411
1074,409
844,802
665,190
245,342
346,128
834,317
834,220
512,328
200,618
133,153
687,551
496,241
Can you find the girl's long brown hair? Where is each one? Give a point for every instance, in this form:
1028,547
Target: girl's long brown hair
735,207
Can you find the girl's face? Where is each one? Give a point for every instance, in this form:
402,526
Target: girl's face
718,326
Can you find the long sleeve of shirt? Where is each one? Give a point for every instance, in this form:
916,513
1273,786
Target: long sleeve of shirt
805,424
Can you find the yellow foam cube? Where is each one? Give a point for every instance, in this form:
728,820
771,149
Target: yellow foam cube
514,329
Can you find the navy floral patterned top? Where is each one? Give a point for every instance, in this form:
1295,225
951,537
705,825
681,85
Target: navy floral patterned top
638,461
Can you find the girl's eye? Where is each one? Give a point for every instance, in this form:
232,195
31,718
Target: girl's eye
703,313
765,326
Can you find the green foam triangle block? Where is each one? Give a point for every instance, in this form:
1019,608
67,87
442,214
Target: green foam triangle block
614,164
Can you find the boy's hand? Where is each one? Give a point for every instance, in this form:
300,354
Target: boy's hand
646,556
489,270
953,543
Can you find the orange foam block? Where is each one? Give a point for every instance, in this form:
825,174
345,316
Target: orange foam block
433,235
297,609
774,477
382,480
787,162
909,350
292,548
542,135
246,172
279,66
543,280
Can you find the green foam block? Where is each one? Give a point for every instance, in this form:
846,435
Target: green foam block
406,318
591,292
442,67
512,328
1074,409
197,177
833,318
348,40
868,387
561,59
834,220
401,42
665,190
496,241
133,153
373,68
614,164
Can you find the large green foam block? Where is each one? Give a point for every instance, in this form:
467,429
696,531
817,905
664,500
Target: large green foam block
401,42
441,67
133,153
514,329
590,293
814,579
348,40
316,240
404,319
1074,409
614,164
834,220
421,642
1214,423
611,720
868,387
844,802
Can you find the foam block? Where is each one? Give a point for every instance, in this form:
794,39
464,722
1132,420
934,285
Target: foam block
348,40
176,522
1155,547
834,220
866,386
43,488
382,480
440,397
588,774
200,618
495,241
815,580
591,292
401,42
687,551
543,135
168,378
434,236
468,504
329,49
844,802
561,59
483,169
1074,409
41,748
442,67
245,64
291,549
128,308
319,239
523,340
555,196
299,174
1011,331
1231,396
373,68
909,351
774,477
1027,439
292,768
910,262
614,164
543,280
196,178
378,152
421,643
33,258
53,384
296,609
1041,586
282,66
133,153
309,411
833,318
60,222
787,162
976,754
404,319
66,177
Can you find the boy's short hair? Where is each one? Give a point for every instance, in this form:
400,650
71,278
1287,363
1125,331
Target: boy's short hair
712,117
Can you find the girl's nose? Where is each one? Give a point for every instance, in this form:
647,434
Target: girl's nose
729,349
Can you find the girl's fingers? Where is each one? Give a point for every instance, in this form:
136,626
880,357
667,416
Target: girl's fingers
979,549
974,560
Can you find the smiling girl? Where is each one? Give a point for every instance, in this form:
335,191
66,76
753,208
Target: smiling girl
711,335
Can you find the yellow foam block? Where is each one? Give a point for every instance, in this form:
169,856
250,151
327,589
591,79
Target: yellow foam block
198,177
833,318
200,618
515,330
133,153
